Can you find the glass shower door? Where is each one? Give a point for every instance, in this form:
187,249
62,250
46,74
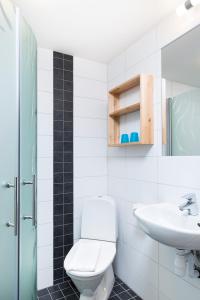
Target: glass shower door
28,92
8,152
185,123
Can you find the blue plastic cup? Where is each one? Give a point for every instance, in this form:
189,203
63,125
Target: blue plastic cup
134,137
124,138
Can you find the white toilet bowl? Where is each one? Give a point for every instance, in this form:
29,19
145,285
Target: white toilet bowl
98,227
95,285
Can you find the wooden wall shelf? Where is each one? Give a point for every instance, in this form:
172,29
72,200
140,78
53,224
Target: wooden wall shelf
145,106
125,110
125,144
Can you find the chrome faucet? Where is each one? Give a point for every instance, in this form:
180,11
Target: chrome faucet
190,205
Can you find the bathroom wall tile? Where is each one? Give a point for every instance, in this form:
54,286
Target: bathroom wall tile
179,171
45,124
117,66
90,147
45,257
45,234
63,160
45,167
90,128
141,49
45,80
174,194
45,278
139,241
144,279
145,168
45,146
115,152
146,150
116,167
141,174
116,81
89,167
174,287
150,65
88,88
90,108
45,102
133,191
45,212
45,59
77,229
90,186
45,190
90,69
167,259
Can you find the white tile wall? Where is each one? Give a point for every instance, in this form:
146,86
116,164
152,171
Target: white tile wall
138,174
90,150
141,174
90,133
45,168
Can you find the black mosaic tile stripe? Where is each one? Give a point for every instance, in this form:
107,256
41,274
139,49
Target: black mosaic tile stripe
67,291
63,161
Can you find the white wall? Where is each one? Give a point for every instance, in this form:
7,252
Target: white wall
90,133
141,174
137,174
45,168
90,152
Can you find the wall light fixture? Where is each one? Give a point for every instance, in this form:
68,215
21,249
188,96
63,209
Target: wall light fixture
183,8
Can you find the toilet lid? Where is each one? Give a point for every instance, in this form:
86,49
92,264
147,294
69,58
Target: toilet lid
105,258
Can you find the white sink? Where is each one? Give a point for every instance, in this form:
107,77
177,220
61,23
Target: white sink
166,224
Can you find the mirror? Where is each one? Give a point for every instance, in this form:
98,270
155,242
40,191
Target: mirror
181,95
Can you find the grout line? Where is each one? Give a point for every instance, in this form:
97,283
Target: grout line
88,78
91,98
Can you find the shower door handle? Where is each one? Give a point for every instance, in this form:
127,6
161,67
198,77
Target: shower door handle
34,220
27,217
33,183
16,206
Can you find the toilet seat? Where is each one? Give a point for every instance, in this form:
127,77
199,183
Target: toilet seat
105,259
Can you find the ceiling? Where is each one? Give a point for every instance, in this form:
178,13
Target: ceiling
181,59
94,29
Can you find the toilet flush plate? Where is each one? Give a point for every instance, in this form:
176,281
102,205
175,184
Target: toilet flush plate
165,223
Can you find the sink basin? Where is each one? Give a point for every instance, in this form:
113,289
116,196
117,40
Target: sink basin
166,224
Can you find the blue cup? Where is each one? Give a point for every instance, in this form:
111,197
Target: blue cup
124,138
134,137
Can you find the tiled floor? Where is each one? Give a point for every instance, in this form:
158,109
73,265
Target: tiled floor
67,291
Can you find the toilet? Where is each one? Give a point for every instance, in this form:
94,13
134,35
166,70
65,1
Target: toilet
89,262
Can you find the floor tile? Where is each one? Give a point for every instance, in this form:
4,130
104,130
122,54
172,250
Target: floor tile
67,291
46,297
43,292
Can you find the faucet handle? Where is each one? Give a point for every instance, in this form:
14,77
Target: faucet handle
191,197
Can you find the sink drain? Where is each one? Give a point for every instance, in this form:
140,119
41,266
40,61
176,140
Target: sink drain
198,224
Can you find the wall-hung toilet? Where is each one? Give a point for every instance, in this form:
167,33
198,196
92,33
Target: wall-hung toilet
89,262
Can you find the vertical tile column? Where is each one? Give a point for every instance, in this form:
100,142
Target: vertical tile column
63,161
45,169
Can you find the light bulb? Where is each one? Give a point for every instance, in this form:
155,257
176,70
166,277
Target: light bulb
181,10
195,2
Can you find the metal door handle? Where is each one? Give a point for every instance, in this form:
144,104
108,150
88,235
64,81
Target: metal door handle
33,218
9,185
9,224
27,217
16,206
34,201
27,182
